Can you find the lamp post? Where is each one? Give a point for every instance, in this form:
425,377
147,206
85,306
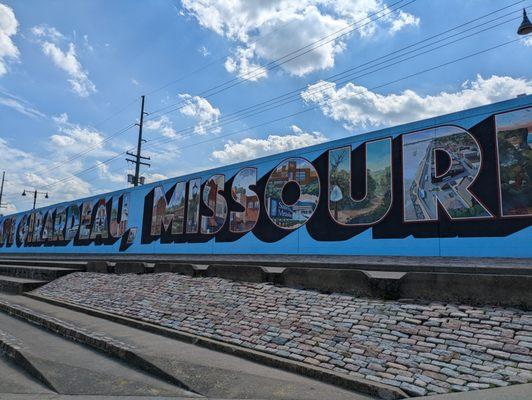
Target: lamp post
35,193
526,26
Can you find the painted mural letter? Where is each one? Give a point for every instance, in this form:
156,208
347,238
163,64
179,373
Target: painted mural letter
35,227
100,226
244,221
85,220
426,183
48,228
59,224
292,193
8,231
119,215
377,198
22,230
514,147
216,203
194,186
72,225
168,215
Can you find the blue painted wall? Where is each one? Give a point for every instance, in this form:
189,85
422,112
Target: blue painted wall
499,239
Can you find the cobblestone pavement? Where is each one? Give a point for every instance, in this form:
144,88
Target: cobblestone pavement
421,348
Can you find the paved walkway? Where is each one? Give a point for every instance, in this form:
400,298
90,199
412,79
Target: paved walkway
517,392
423,349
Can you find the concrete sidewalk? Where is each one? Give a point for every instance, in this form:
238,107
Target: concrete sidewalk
517,392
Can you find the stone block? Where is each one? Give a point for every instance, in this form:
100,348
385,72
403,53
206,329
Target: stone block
248,273
126,267
102,267
183,269
503,290
327,280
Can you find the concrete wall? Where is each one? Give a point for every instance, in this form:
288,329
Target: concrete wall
439,187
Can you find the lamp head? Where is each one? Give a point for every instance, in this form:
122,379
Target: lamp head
526,26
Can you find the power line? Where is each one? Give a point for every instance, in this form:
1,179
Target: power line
283,99
372,88
276,63
272,64
317,107
81,154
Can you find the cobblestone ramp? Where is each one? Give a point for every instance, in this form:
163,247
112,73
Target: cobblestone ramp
209,373
420,348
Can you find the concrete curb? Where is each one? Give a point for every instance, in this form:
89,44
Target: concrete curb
475,289
113,349
364,386
14,353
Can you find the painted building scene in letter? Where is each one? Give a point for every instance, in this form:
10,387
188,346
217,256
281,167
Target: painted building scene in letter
514,143
455,185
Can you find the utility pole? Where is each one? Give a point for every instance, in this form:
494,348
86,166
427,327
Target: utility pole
136,179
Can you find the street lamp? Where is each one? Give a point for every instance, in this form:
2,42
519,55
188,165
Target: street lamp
35,193
526,26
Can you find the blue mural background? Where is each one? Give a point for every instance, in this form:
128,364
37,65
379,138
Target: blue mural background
299,241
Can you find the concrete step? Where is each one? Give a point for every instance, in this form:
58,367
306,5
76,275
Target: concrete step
69,368
33,272
15,380
44,263
9,284
210,373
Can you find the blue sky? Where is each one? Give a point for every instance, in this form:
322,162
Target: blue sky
71,73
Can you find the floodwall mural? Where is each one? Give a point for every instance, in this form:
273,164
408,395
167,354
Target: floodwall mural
455,185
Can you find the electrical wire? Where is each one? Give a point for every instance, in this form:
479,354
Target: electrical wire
283,100
315,107
276,63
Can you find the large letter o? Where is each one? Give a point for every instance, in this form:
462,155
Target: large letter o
303,173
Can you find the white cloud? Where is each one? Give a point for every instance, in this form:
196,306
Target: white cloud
47,32
73,138
250,148
202,111
527,41
404,19
241,64
163,125
20,105
8,28
19,176
66,60
264,31
357,106
105,173
155,177
87,44
204,51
